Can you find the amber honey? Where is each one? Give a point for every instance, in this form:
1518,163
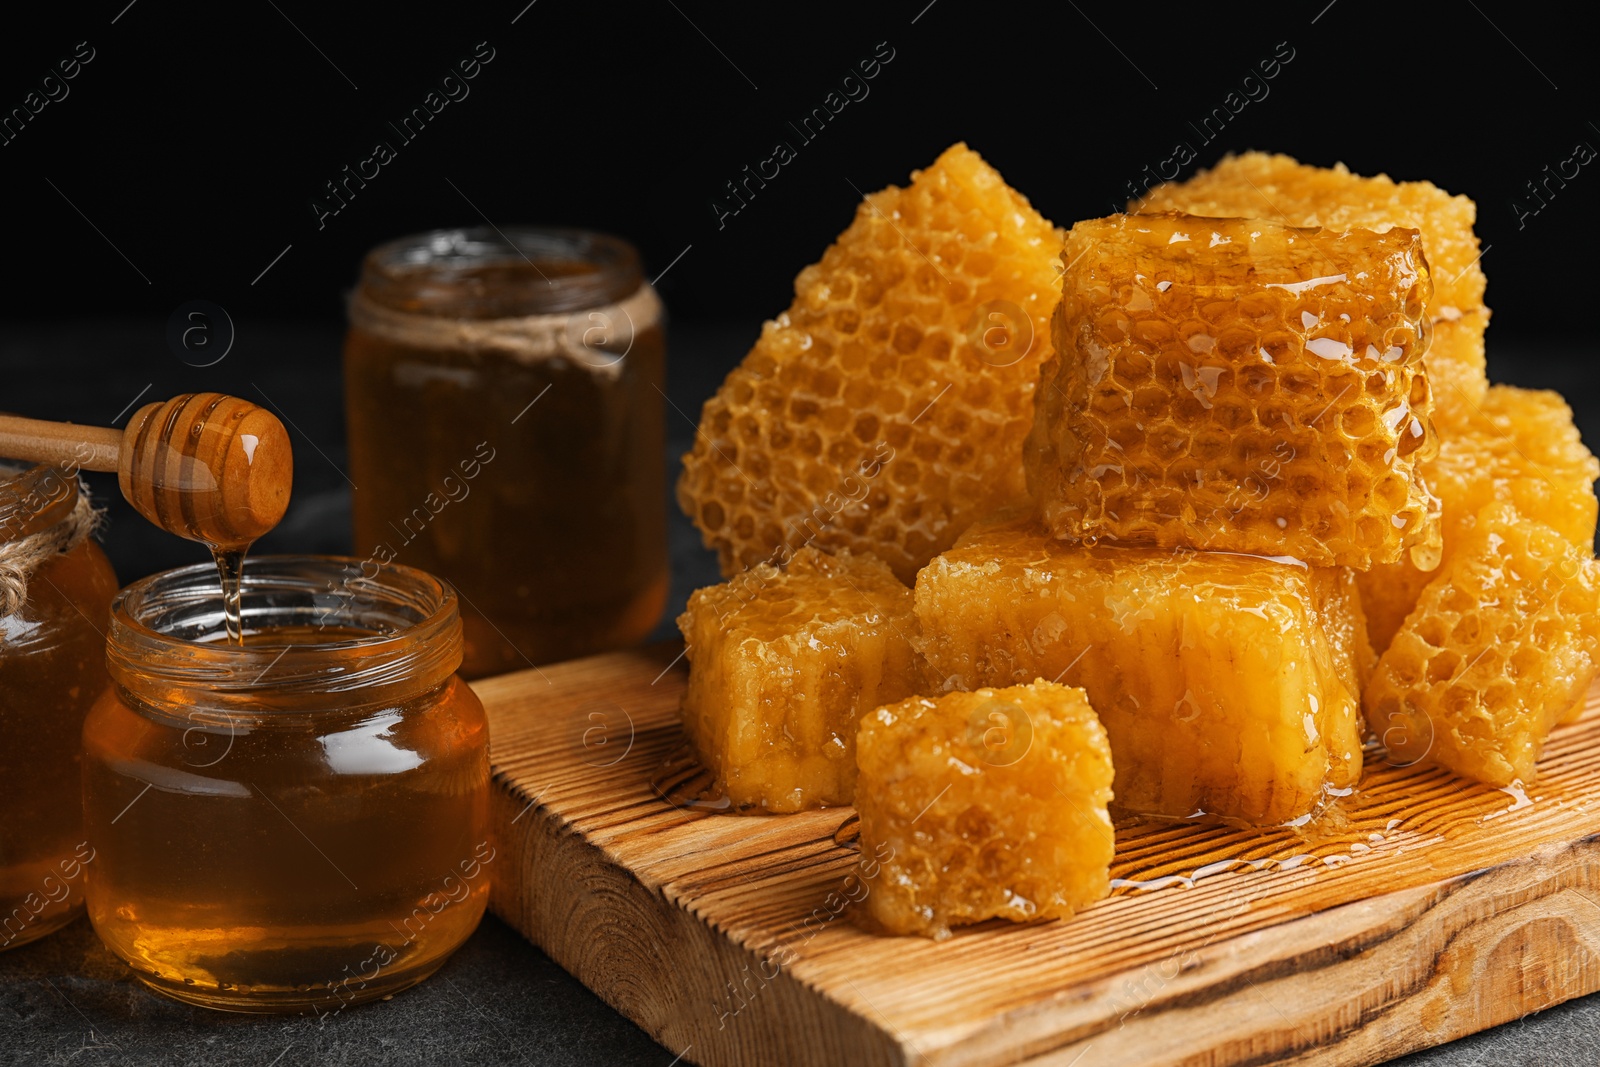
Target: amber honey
52,666
504,407
1241,386
298,824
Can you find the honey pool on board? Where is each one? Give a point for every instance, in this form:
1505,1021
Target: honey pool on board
293,852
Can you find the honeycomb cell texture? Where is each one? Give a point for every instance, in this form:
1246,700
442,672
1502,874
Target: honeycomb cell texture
885,410
1517,446
1229,684
1458,367
984,805
783,663
1237,385
1276,187
1500,648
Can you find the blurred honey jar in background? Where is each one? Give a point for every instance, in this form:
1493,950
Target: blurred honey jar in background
55,593
504,400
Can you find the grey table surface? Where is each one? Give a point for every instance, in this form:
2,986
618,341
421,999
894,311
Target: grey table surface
66,1000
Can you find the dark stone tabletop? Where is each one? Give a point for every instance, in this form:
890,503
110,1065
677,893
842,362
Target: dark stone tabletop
499,1000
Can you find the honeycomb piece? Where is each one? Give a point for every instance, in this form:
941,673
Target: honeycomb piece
1389,592
984,805
781,665
1519,445
1514,445
1257,185
1501,646
1277,187
1235,385
1228,684
1457,367
885,411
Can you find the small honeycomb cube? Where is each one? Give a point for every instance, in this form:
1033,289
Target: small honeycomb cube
1514,445
1236,385
1500,648
885,411
984,805
783,663
1228,684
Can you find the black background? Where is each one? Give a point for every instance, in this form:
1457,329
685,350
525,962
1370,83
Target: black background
187,154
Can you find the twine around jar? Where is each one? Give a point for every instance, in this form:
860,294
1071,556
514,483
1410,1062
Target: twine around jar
19,559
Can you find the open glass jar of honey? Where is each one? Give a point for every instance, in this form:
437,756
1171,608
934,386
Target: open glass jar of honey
55,588
298,823
503,395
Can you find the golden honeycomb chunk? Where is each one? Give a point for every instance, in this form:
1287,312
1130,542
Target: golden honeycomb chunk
1458,368
1521,446
1229,684
783,663
1389,592
1514,445
1277,187
1257,185
984,805
1236,385
1501,646
885,411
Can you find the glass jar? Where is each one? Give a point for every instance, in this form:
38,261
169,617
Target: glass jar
299,823
52,666
503,399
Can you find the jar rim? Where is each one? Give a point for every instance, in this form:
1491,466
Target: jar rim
397,628
34,497
425,273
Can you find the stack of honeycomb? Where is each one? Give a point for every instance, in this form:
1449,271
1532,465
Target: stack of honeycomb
1499,448
1277,187
1265,403
885,411
1238,385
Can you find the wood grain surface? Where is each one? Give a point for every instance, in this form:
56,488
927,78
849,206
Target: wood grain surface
1429,907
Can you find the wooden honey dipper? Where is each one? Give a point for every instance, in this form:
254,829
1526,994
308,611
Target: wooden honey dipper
204,466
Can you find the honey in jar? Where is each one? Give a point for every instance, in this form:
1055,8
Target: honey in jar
298,823
58,587
504,403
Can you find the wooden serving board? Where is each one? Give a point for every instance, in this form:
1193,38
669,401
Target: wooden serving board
1441,908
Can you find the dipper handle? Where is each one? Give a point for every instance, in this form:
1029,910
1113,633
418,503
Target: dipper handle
63,444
